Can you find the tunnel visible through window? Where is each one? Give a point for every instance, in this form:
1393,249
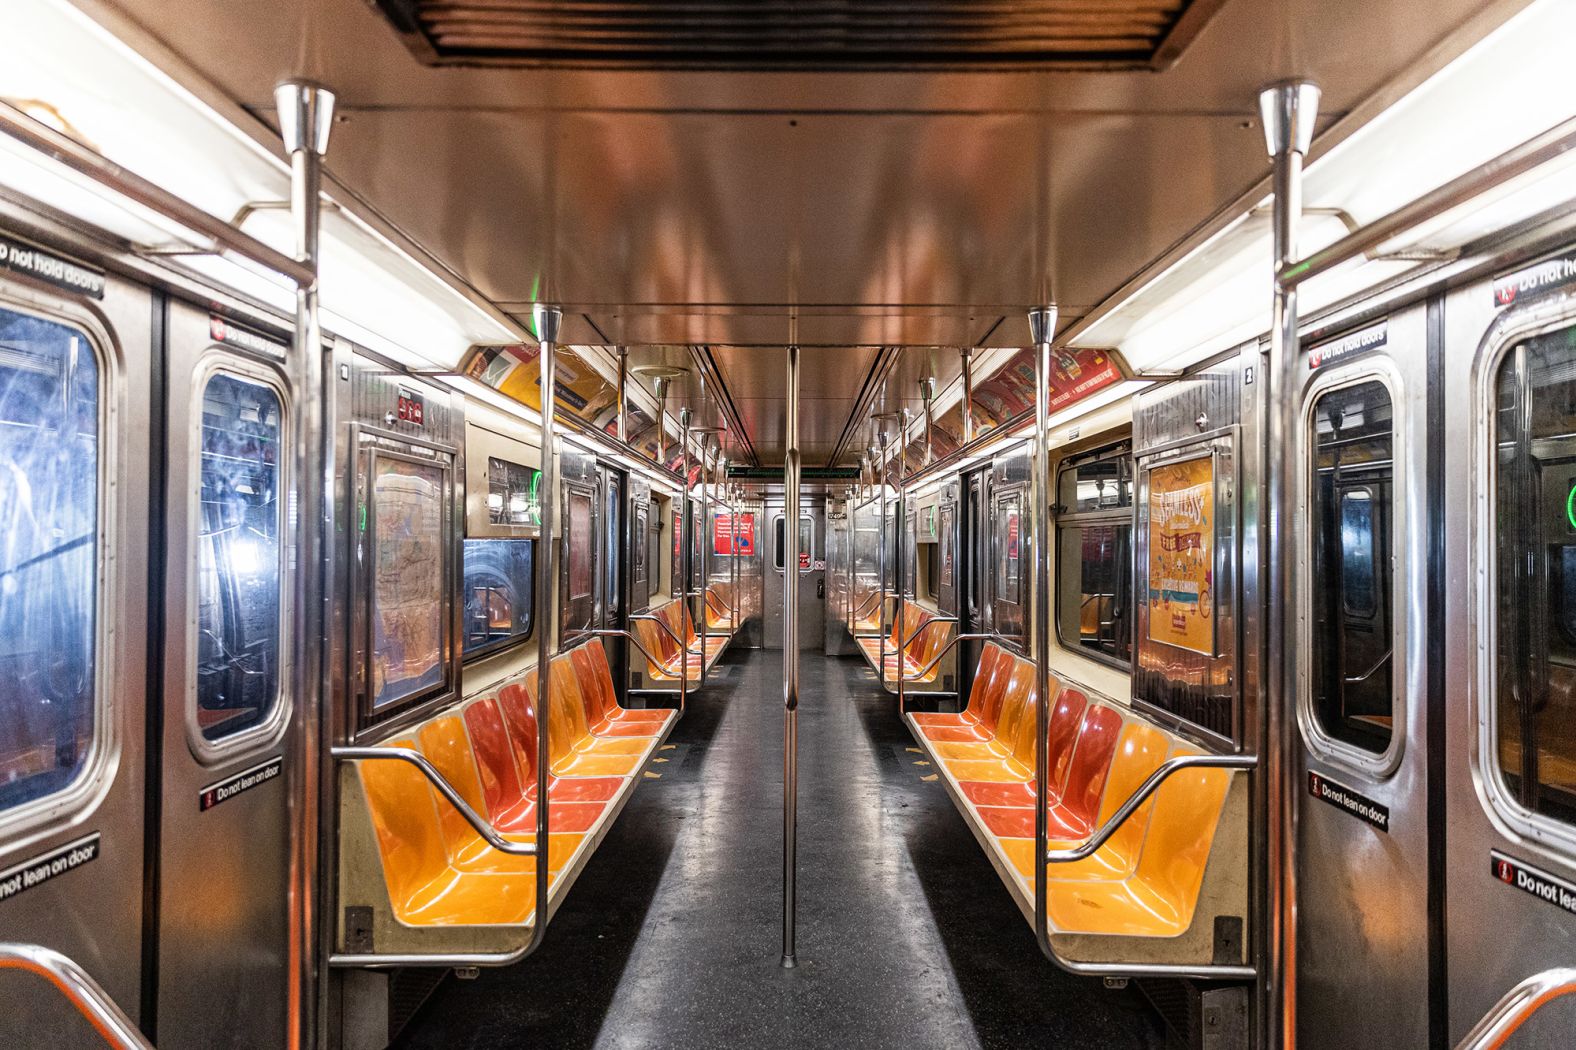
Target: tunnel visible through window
1350,511
238,556
500,594
1094,554
1535,539
49,464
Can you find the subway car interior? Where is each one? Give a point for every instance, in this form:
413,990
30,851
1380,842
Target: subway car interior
810,523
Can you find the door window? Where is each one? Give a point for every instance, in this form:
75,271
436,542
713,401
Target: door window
1349,516
239,555
1534,532
49,554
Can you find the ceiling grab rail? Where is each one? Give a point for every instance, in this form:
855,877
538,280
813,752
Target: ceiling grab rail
95,166
72,981
1517,1006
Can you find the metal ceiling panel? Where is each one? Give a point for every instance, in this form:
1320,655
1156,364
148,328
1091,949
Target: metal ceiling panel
799,34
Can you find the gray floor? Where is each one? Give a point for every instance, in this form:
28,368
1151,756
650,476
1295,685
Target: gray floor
671,938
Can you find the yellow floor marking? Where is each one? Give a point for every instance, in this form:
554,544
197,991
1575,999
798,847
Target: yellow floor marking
653,776
659,760
915,750
919,762
933,776
667,747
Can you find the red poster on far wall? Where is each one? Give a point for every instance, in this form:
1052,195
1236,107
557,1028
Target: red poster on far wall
724,541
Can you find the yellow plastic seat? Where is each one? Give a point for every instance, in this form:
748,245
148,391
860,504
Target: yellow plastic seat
1159,898
572,750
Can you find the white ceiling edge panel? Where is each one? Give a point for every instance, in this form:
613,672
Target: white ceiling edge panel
1494,96
77,76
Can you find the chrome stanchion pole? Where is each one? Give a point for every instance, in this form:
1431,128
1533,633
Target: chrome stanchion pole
1288,111
791,664
683,526
900,519
306,114
967,359
548,321
1042,325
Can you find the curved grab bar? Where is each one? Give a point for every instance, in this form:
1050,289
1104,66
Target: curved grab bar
619,632
927,625
1139,797
660,622
72,981
1518,1004
446,789
951,644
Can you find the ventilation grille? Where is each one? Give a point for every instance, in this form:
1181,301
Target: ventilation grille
801,34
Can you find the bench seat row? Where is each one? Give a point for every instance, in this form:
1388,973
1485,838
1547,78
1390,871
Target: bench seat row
437,869
926,635
665,660
1145,881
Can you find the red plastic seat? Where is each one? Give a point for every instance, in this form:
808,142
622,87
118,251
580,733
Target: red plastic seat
1075,801
511,802
519,714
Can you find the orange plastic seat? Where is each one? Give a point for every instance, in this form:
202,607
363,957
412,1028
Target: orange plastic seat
994,760
446,746
672,662
573,751
436,876
1159,898
710,646
1139,753
984,702
1086,769
604,716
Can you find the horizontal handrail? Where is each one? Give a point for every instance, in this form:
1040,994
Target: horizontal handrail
1516,161
619,632
967,637
89,162
1139,797
72,981
927,625
1518,1004
446,789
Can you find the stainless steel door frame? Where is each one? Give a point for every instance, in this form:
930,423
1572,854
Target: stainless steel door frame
812,580
223,971
72,864
1362,954
1497,931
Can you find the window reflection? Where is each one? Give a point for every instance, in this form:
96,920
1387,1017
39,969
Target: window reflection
238,556
49,438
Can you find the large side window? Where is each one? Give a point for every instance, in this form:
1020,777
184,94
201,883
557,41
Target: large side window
1350,510
238,555
1094,553
1535,541
500,594
49,468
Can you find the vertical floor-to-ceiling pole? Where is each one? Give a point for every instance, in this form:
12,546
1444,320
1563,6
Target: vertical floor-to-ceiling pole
548,321
1042,324
682,526
966,359
305,118
701,629
791,663
884,555
1288,111
900,523
623,402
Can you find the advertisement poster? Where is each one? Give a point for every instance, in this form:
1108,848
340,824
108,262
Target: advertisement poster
724,541
1182,554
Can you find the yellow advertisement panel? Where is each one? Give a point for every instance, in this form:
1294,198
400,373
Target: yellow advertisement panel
1182,554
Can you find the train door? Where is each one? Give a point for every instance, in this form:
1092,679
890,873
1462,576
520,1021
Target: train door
1509,619
811,572
973,535
611,562
76,367
582,593
1006,568
1364,935
224,824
